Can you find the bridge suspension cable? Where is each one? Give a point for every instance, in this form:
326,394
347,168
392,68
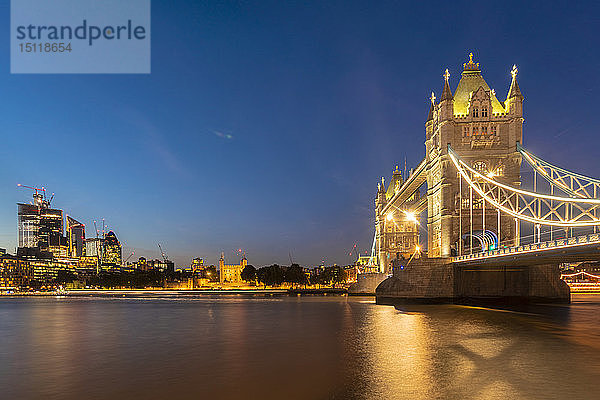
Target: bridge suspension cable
571,183
537,208
373,257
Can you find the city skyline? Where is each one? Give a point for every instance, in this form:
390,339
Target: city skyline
73,244
173,157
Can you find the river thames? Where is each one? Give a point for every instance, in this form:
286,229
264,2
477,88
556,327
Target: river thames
280,347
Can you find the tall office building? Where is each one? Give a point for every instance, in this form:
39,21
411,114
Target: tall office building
75,237
40,229
94,247
112,250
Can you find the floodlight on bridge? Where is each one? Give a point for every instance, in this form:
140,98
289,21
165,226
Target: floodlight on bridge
410,216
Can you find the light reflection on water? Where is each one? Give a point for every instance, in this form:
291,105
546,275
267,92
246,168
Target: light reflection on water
144,347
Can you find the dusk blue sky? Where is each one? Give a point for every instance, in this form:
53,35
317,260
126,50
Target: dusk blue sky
266,126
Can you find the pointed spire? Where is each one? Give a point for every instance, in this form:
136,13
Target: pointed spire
430,115
447,93
514,90
381,186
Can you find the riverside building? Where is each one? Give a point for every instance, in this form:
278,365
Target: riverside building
231,274
15,272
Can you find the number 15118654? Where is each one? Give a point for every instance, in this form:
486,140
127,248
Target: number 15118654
45,47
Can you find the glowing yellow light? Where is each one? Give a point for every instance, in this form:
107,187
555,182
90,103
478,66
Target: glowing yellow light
417,248
390,217
410,216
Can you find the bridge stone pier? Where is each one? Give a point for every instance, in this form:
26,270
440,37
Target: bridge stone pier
461,227
438,280
422,281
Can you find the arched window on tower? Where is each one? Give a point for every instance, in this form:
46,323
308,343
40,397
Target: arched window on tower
475,112
480,166
500,169
484,111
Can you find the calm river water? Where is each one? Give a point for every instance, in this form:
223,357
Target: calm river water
241,347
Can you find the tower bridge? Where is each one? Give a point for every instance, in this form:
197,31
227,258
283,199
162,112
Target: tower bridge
486,235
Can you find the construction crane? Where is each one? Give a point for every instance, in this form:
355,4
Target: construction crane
127,259
42,189
169,265
39,195
354,250
162,253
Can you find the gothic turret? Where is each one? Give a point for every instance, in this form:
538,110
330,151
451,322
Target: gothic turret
514,99
447,100
431,108
446,93
380,200
395,184
222,267
429,122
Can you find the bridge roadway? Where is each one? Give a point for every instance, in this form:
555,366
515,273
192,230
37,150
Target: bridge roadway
574,249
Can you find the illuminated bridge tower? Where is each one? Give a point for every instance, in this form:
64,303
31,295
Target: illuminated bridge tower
396,227
485,132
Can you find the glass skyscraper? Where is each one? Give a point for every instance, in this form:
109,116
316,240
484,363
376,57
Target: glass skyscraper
40,229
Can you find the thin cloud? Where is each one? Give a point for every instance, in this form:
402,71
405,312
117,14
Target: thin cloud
562,132
223,135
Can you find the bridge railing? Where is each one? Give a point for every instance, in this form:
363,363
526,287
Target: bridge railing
533,247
